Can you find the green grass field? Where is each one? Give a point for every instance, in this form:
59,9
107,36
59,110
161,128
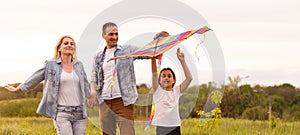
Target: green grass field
44,126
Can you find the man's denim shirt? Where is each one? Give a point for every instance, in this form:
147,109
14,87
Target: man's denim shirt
51,73
125,74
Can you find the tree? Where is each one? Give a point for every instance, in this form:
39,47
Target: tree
234,83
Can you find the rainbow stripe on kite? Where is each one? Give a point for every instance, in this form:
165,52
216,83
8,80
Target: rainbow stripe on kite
162,44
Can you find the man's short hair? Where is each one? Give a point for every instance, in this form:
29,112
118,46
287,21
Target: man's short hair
106,25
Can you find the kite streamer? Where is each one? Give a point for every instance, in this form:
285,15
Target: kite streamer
151,117
159,58
162,44
113,79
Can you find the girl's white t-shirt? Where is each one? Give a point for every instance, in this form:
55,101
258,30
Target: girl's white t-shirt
166,107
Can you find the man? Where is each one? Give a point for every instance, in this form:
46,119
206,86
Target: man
115,84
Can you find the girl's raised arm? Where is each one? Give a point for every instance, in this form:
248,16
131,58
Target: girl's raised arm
154,75
187,73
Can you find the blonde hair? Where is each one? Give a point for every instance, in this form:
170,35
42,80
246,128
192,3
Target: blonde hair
57,53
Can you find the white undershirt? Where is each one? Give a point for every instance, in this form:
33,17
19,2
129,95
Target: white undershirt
68,91
108,71
166,107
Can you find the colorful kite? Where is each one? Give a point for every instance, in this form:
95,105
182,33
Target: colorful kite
162,44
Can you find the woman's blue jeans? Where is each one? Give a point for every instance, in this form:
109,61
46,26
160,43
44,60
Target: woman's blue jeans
70,123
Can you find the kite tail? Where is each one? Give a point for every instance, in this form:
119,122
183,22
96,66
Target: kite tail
147,127
159,58
113,79
151,117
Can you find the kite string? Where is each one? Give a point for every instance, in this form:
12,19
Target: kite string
196,49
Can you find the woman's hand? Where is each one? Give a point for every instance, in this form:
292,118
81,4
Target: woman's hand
92,100
11,88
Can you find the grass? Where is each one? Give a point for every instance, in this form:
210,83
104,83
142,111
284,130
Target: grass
44,126
35,126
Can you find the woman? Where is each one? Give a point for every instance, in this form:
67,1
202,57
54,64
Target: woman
64,91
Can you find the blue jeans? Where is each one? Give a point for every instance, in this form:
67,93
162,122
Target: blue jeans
168,130
70,123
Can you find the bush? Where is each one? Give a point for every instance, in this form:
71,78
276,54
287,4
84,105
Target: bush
19,108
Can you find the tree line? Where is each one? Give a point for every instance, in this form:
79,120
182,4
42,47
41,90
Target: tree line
238,101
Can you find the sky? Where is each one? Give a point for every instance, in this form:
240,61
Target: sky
260,39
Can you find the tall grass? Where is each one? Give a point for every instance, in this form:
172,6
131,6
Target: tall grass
242,127
35,126
44,126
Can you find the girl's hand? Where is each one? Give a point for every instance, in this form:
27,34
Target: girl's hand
180,55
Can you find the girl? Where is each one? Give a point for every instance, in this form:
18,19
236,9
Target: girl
166,97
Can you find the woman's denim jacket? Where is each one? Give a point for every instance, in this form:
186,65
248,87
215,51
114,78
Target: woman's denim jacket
51,73
125,74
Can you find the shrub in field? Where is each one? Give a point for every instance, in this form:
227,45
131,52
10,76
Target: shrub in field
19,108
208,120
